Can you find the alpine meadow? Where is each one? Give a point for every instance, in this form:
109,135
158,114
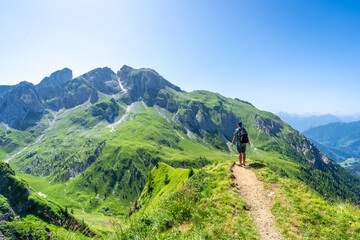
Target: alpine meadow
129,155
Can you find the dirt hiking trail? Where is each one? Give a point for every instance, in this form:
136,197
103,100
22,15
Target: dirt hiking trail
253,192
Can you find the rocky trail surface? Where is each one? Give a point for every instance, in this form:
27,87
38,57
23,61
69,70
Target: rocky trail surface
255,195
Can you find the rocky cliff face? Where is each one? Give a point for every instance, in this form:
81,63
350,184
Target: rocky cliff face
24,104
50,87
56,78
71,93
266,125
297,141
21,106
143,84
148,86
104,80
199,118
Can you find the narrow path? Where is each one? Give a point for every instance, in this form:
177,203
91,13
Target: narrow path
252,190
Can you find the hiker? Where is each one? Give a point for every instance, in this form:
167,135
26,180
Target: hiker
241,138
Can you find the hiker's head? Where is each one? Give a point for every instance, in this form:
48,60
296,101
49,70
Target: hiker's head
239,124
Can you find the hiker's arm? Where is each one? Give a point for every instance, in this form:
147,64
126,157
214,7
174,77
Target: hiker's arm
234,138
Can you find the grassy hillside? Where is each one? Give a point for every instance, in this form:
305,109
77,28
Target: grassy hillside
301,212
27,215
206,204
13,140
203,205
160,146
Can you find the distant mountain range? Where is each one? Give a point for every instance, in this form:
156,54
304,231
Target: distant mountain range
336,136
306,121
340,141
343,137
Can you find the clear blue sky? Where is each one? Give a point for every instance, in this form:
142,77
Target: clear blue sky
281,55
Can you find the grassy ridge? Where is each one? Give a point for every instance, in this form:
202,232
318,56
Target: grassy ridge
205,206
161,182
301,212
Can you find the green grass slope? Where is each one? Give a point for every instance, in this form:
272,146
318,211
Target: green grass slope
109,165
300,211
162,181
206,205
188,205
27,215
13,140
99,157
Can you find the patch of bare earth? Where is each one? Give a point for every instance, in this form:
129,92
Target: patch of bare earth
184,227
255,195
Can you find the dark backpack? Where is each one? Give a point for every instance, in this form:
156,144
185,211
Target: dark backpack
243,136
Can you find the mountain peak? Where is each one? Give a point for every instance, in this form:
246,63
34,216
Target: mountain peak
100,70
103,79
143,84
21,107
126,68
57,78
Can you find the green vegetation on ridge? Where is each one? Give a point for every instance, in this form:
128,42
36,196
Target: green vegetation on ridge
204,205
164,154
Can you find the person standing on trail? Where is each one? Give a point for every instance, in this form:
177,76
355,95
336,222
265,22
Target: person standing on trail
241,138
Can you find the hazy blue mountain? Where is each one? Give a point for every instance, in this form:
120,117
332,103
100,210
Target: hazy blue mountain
339,140
304,122
333,153
353,165
350,118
